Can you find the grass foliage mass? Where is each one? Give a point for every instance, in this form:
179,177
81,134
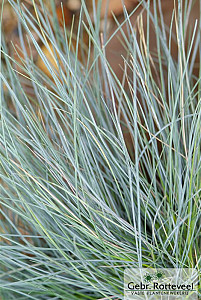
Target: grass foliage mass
79,200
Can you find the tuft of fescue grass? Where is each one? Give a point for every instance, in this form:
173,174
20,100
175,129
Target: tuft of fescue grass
79,201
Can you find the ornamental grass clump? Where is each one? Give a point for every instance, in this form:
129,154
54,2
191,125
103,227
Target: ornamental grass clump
97,174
